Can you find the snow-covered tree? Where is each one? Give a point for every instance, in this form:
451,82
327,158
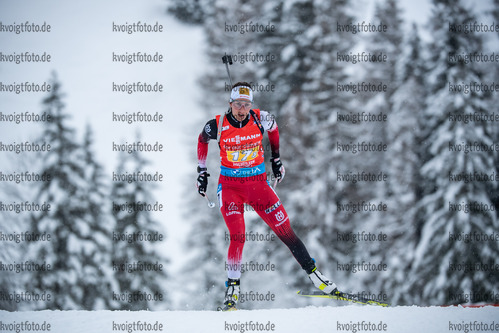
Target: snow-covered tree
380,70
10,252
189,11
139,271
311,130
404,132
13,227
73,258
447,268
493,74
97,283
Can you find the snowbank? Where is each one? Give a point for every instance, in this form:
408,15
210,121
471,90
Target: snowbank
310,319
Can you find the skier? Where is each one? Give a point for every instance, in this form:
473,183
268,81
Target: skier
239,133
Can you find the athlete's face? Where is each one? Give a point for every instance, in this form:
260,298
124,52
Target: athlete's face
240,109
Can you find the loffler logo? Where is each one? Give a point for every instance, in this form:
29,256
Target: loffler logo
232,206
232,209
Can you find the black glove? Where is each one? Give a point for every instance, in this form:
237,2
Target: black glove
277,169
202,183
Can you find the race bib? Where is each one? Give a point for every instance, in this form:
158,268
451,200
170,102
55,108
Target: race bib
242,155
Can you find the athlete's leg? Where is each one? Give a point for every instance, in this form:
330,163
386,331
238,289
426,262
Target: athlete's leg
232,208
268,206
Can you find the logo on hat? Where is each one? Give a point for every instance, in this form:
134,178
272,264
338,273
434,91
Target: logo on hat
244,91
241,92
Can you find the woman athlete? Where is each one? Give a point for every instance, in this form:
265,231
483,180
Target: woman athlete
239,133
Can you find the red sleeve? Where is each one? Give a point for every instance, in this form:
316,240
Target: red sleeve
202,151
208,133
274,141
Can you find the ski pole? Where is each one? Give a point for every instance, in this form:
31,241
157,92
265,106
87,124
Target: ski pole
227,60
211,204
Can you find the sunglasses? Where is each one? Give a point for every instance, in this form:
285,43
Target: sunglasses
239,105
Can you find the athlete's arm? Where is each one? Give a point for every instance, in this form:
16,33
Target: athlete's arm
270,126
208,133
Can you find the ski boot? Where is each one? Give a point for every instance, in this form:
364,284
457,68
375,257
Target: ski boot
231,295
322,283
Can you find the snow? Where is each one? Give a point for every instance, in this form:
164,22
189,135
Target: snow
310,319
